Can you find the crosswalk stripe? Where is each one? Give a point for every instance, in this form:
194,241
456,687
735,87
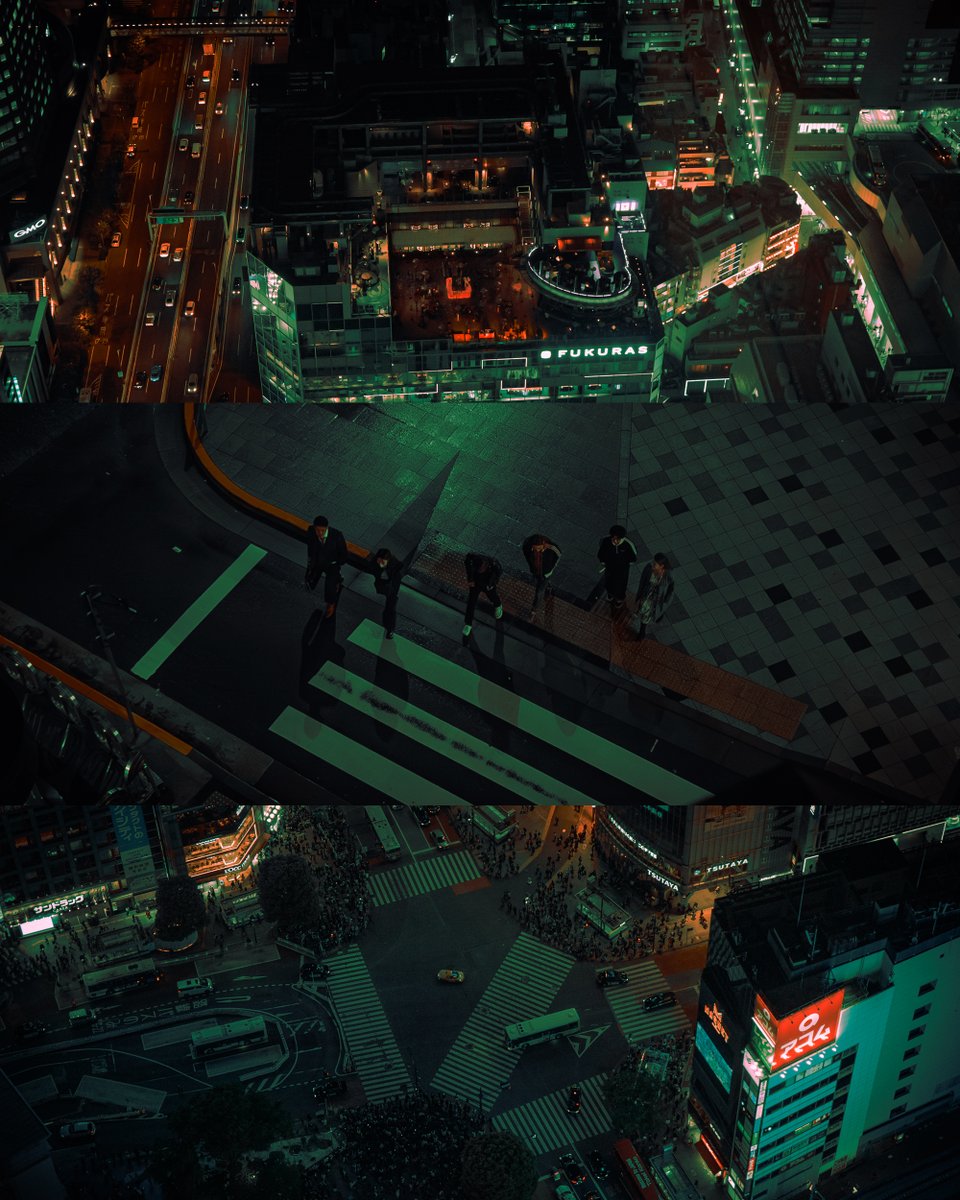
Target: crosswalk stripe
545,1125
529,717
467,751
626,1004
418,878
388,777
478,1064
366,1030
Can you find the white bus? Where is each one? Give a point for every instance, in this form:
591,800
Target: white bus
126,977
232,1038
541,1029
386,835
496,823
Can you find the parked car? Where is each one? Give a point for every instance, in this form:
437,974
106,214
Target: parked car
78,1131
659,1000
611,978
451,975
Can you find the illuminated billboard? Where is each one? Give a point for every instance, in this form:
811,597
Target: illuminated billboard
800,1033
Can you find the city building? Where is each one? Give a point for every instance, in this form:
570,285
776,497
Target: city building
443,238
26,92
27,349
823,1012
679,850
26,1162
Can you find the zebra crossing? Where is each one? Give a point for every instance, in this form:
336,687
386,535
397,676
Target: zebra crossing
419,756
422,876
545,1125
626,1004
478,1065
366,1032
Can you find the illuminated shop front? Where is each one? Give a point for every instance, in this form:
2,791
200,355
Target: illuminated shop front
230,849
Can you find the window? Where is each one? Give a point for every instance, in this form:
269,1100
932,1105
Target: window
901,1092
906,1072
927,987
921,1012
896,1112
915,1033
911,1053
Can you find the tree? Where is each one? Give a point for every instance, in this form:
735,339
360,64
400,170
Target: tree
633,1099
180,908
497,1166
288,890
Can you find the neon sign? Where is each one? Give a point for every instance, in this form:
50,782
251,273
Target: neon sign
63,902
595,352
715,1017
800,1033
33,227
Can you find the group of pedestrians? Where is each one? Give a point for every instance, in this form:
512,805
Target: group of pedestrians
407,1148
327,554
670,1056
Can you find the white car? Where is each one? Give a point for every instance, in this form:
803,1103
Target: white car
218,109
164,249
116,239
189,308
178,254
151,318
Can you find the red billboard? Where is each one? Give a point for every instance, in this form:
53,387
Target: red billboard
800,1033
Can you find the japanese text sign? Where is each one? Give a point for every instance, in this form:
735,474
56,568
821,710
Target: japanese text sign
799,1034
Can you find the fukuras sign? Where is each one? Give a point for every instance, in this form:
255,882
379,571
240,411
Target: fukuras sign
594,352
17,235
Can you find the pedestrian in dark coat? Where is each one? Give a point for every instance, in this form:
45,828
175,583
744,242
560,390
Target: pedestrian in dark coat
387,571
616,552
483,575
326,554
654,593
542,557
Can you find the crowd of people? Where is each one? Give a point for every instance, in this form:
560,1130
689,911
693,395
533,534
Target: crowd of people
407,1148
674,1090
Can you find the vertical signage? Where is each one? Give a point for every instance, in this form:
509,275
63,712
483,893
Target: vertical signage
133,842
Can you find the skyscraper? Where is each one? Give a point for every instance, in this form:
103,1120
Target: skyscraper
26,91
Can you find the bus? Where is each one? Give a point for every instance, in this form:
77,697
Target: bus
232,1038
125,977
541,1029
634,1172
496,823
389,842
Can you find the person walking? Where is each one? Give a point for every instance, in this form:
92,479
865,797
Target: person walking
326,554
615,553
654,594
387,571
542,557
483,575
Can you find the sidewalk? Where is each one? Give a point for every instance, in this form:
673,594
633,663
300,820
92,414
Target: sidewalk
734,496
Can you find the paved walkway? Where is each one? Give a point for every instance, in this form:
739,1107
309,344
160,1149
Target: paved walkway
815,551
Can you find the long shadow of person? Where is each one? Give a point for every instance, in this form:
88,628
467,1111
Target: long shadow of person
394,679
495,689
318,645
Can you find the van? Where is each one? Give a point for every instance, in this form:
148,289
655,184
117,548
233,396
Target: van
77,1018
195,152
194,987
193,384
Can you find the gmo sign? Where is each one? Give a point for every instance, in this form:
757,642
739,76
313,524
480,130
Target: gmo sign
594,352
18,234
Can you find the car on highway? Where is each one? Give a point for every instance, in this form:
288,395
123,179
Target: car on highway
156,371
169,296
218,109
150,319
188,197
235,75
191,81
183,144
190,308
140,380
164,249
244,202
451,975
30,1030
572,1169
439,839
131,150
205,76
235,289
611,978
156,283
116,239
574,1101
202,99
241,236
78,1131
598,1167
178,254
659,1000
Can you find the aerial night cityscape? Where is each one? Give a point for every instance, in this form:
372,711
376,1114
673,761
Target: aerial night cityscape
479,587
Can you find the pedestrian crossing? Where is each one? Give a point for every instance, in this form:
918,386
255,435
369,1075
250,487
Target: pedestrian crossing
366,1032
385,734
478,1065
626,1004
544,1125
422,876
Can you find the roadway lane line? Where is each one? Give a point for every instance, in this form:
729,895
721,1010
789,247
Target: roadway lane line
356,760
464,749
201,608
603,755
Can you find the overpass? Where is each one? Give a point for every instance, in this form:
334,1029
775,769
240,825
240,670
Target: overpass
254,27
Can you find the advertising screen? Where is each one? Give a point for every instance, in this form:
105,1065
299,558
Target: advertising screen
799,1033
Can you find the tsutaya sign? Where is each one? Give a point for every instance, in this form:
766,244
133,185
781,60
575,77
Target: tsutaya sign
24,231
594,352
800,1033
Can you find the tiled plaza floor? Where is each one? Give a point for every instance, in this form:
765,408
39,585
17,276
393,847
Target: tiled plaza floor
815,551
